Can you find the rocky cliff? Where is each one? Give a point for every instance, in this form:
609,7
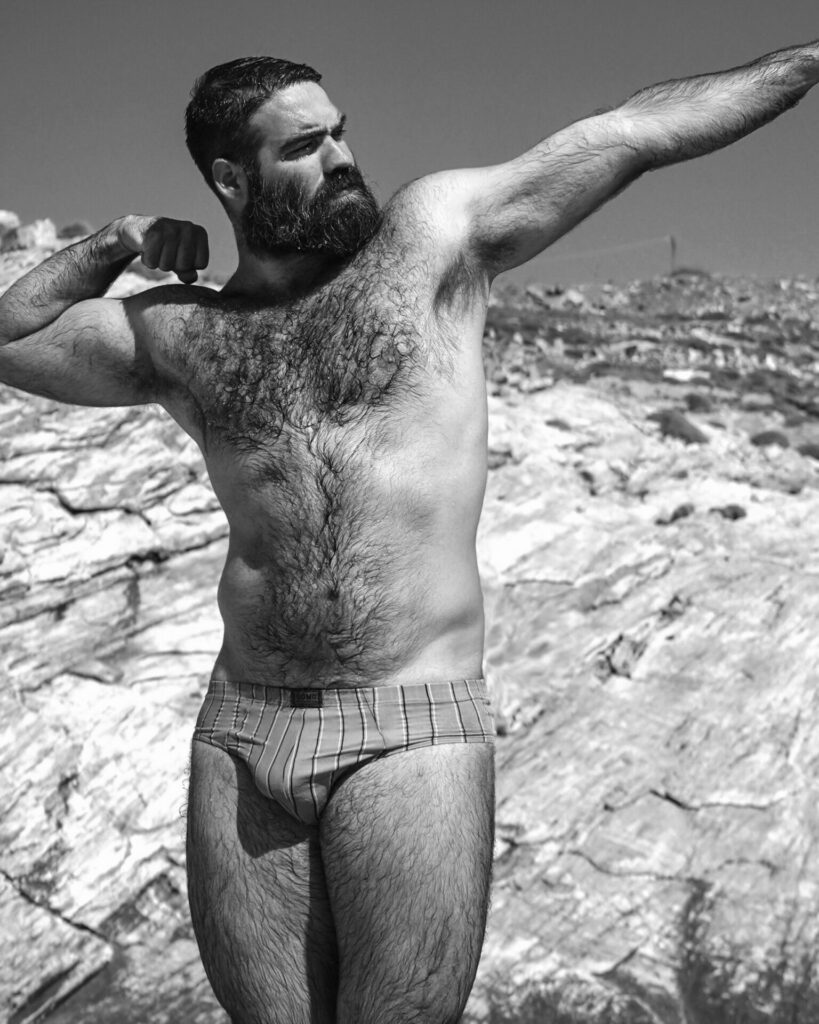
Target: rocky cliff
648,551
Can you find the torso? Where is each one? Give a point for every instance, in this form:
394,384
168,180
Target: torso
345,436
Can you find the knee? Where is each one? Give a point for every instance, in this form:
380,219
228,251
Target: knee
436,1000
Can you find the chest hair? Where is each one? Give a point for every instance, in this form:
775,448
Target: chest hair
329,358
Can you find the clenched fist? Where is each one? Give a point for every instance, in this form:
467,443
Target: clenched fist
165,244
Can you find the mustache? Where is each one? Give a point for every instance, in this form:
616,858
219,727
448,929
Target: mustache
345,179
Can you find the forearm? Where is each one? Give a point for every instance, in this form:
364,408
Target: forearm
679,120
84,270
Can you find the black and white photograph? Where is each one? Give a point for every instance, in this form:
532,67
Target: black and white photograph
409,512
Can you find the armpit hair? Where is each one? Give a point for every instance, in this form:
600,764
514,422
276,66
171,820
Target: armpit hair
465,277
414,210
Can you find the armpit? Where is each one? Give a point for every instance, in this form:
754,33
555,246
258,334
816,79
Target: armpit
428,219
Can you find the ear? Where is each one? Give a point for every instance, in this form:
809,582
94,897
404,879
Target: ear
230,180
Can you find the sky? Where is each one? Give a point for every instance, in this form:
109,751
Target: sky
92,98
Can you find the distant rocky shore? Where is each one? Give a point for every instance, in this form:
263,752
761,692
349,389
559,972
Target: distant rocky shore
648,553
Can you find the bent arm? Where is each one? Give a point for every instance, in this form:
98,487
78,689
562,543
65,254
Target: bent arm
84,270
59,338
512,211
97,352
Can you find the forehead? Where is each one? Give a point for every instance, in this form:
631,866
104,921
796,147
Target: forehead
299,108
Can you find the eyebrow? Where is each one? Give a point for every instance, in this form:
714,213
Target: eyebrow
311,133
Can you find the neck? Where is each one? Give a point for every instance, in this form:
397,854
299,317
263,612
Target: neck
279,276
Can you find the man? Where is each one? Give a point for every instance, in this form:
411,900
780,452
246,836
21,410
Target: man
341,793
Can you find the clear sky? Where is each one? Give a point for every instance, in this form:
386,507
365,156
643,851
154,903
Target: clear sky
93,94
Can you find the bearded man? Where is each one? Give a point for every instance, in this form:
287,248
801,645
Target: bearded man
340,817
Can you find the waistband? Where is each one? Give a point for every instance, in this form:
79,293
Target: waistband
342,696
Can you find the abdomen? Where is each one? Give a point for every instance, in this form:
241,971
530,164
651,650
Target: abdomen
360,557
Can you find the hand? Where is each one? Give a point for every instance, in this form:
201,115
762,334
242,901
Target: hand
165,244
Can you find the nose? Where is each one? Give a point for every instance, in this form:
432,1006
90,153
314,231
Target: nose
336,156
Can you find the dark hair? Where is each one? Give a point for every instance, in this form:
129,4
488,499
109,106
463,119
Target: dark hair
225,98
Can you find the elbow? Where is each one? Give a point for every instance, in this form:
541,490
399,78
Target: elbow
618,131
644,143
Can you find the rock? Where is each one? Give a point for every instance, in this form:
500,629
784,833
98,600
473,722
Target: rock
757,401
765,438
648,869
697,402
810,449
542,295
732,512
680,512
556,298
500,455
40,234
76,229
8,221
574,297
674,424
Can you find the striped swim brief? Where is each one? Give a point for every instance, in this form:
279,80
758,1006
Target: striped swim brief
299,744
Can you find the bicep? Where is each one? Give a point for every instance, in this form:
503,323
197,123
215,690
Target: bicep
516,209
90,355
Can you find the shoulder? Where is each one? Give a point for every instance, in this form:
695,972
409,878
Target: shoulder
170,300
168,322
164,320
160,316
430,219
433,205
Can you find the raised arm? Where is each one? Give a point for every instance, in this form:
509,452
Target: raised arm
508,213
58,336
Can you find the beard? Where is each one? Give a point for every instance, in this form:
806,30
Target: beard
280,219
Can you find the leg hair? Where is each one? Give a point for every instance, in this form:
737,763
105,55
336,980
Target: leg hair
258,899
407,848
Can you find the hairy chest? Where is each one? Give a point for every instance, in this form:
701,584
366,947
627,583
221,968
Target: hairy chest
329,359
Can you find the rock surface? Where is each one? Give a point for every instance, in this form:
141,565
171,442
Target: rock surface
41,234
651,645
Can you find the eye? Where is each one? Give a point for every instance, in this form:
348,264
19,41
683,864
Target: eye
304,149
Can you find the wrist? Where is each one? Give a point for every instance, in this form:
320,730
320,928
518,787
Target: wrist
118,237
797,65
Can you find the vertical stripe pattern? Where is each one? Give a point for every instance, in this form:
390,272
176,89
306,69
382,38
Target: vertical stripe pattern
295,753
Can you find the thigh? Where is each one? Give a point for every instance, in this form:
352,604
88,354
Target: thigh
258,899
407,847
